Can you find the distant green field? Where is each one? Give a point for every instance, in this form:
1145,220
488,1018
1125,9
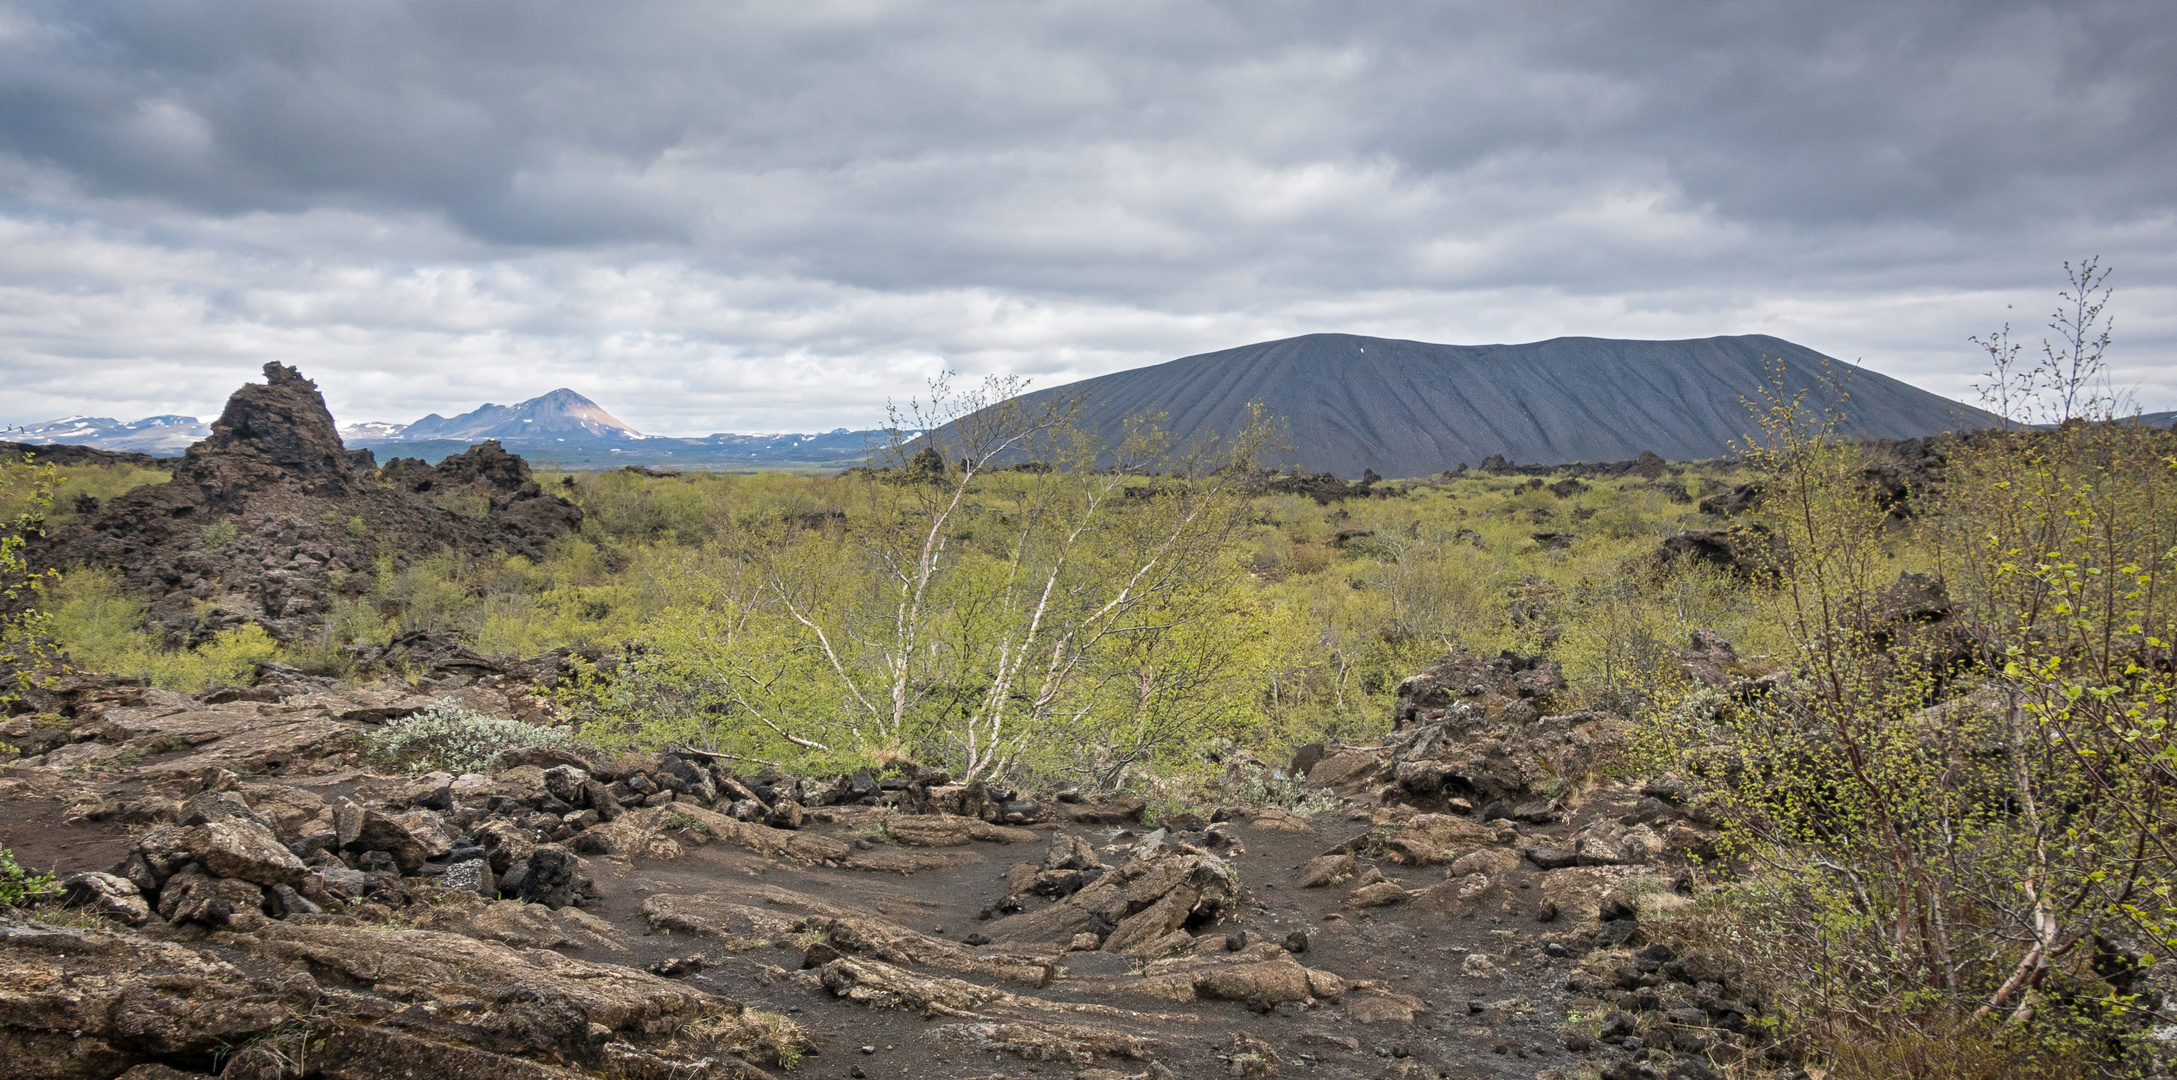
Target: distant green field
828,453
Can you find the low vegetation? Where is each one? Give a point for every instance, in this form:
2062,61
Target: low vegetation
18,886
458,740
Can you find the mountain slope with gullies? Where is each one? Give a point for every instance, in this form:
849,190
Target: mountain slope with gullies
1411,408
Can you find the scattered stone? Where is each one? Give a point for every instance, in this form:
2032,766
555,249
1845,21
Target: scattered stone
470,875
548,878
1327,870
786,814
1070,852
1379,894
1551,856
106,895
286,901
677,966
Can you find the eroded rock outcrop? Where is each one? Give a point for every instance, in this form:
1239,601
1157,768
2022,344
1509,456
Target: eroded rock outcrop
271,518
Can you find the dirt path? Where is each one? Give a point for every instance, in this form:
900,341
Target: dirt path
1504,1023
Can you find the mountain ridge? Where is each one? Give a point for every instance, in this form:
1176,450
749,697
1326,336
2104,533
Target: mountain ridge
159,436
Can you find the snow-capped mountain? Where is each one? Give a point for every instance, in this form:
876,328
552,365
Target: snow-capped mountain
162,436
559,415
376,430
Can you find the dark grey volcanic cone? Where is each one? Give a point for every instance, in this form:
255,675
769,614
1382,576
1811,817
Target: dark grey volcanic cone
1410,408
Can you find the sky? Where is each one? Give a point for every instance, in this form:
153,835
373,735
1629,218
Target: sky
757,216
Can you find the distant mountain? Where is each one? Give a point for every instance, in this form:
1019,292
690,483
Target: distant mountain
559,415
834,449
1411,408
566,430
159,436
371,431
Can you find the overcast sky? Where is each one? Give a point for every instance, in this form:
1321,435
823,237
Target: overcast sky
717,216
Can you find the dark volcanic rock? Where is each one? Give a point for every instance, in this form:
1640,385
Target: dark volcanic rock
549,880
1748,551
1480,728
277,432
271,518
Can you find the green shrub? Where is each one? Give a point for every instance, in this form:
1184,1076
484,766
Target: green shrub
26,492
101,627
218,534
447,736
19,886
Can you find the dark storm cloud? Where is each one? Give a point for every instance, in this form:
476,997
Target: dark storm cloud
714,193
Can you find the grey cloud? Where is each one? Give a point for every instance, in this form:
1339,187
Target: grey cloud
718,192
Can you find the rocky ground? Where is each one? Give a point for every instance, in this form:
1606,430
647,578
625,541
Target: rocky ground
247,897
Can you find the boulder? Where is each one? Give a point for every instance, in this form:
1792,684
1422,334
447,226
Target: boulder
1327,870
284,807
471,875
334,886
688,778
347,822
410,837
786,814
286,901
1379,894
1275,819
1607,843
244,849
193,896
431,791
598,797
107,896
1069,852
947,830
505,843
548,878
1551,856
1433,838
157,855
1490,861
1745,551
1344,769
566,783
213,806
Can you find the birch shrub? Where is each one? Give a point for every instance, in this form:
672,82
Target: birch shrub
1959,819
1007,592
